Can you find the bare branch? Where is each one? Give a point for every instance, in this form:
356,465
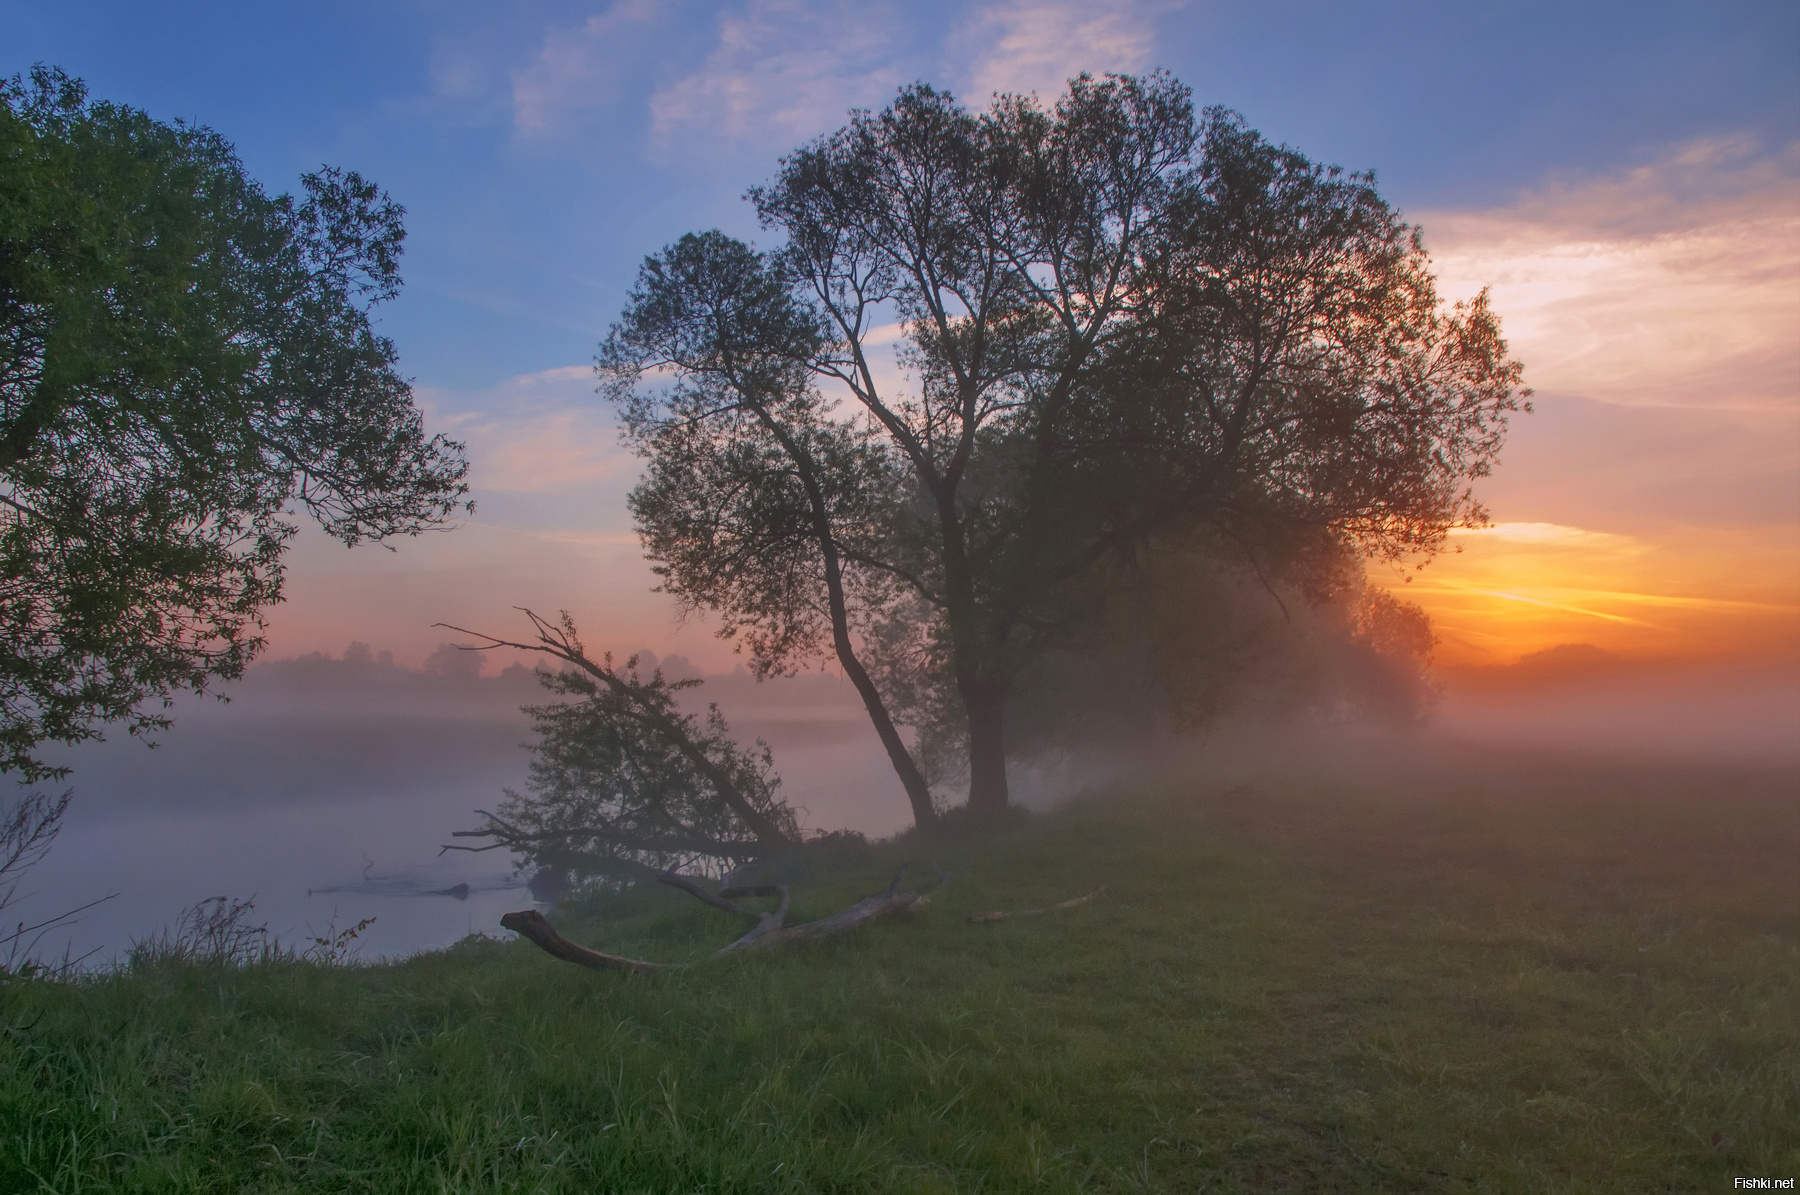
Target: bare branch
885,903
769,930
716,900
531,924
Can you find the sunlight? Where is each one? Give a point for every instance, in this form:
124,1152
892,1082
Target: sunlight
1511,589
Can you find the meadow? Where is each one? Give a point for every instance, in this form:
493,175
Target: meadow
1506,977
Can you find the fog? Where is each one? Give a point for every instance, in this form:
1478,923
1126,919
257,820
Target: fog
326,787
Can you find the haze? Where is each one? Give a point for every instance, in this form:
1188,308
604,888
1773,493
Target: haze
1624,178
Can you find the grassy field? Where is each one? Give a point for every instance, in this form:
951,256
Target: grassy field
1547,982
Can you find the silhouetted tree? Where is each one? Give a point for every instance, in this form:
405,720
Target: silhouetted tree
1115,321
181,357
757,502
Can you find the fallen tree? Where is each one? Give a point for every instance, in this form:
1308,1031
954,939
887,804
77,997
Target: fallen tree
625,786
770,929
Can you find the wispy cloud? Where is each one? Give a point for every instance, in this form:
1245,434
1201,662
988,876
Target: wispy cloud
1038,45
576,69
1676,283
1566,608
1550,535
783,71
536,433
1519,587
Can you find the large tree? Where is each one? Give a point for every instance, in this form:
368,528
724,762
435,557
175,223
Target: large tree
183,358
1117,322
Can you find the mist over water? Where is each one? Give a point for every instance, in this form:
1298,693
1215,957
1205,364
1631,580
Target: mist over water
326,788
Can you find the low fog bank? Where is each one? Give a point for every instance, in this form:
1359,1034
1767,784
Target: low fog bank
1579,700
322,729
327,785
1572,711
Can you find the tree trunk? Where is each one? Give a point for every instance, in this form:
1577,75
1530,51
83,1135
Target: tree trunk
918,792
985,702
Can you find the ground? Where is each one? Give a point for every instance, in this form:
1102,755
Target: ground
1512,976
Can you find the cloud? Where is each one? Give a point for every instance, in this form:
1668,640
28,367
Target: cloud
536,433
1673,284
1549,535
783,71
575,70
1697,590
1038,45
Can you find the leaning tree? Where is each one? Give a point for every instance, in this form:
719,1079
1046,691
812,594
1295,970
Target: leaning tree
1116,322
182,357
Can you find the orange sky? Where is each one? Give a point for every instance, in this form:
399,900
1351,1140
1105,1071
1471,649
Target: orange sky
1651,505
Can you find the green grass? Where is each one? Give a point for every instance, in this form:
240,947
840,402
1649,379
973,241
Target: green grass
1588,984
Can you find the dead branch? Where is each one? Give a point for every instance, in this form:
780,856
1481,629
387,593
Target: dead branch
976,918
890,900
531,924
769,929
766,923
723,899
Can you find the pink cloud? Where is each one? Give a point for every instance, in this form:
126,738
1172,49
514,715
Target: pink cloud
1673,284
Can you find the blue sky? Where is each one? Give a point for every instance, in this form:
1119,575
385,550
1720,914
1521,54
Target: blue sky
542,149
1596,162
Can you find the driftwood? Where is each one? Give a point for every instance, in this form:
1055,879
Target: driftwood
890,900
977,918
770,928
531,924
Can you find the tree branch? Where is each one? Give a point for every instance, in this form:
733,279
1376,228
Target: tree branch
769,930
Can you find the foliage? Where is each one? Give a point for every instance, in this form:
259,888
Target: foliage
625,784
1186,631
1502,979
1117,320
182,356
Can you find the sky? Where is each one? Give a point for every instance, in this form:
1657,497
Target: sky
1624,177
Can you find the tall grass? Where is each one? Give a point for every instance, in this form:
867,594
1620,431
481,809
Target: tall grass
1320,988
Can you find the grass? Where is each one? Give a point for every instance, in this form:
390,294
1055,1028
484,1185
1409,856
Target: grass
1579,984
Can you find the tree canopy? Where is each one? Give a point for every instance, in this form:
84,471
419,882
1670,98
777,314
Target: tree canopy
1120,322
184,360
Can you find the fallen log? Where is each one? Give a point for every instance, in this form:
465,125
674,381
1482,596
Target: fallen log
531,924
768,931
868,908
977,918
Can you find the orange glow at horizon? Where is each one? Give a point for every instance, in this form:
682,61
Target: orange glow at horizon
1651,506
1517,588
